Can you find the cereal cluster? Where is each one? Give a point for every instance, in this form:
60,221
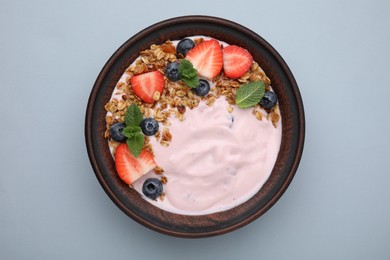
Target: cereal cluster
177,97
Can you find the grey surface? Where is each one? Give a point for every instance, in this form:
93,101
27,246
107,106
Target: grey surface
52,206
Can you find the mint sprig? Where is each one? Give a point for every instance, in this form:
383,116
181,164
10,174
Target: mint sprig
250,94
188,73
135,138
133,116
130,131
135,143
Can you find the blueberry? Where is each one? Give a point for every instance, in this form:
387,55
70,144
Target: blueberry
152,188
269,100
172,71
149,126
185,46
203,88
116,132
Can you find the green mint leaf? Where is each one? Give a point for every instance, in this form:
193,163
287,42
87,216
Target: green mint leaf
191,73
135,143
249,95
192,82
135,138
188,73
185,65
133,116
131,131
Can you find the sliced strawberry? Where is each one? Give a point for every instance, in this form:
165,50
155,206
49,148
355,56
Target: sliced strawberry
130,168
206,57
144,85
236,61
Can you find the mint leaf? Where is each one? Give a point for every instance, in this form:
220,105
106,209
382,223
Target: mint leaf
185,65
191,73
249,95
135,138
135,143
191,82
130,131
188,73
133,116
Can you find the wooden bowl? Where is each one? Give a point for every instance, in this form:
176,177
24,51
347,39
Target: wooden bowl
293,128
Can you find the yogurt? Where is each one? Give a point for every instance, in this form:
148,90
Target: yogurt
216,159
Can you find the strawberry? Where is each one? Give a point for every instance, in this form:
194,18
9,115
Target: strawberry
130,168
206,57
146,84
236,61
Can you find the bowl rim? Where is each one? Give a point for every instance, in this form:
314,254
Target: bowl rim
91,145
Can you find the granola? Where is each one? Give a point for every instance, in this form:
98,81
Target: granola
177,96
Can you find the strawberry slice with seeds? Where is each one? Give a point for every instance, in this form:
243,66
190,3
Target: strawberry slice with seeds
236,61
130,168
146,84
206,58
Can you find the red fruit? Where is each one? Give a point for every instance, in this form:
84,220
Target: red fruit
144,85
130,168
206,57
236,61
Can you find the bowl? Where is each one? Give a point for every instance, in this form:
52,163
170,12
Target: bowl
293,128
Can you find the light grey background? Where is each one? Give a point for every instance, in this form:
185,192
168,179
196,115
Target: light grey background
51,204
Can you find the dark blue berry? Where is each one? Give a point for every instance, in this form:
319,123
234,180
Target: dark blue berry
269,100
149,126
172,71
185,46
116,132
152,188
203,88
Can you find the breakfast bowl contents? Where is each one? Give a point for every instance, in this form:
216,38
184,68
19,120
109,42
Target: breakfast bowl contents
195,126
205,119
